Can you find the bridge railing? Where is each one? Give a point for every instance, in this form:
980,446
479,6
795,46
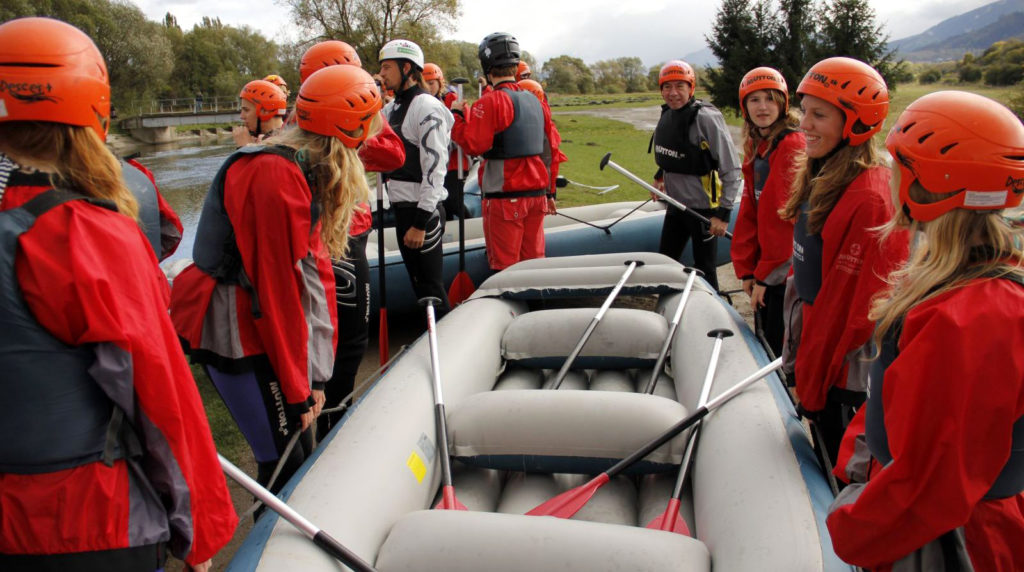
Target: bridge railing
184,105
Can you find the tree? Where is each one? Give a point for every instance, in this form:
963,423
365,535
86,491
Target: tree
608,77
566,74
742,38
848,28
796,39
633,74
369,24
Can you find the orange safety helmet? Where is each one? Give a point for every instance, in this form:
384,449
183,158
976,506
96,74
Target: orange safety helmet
958,142
677,70
338,101
328,53
523,69
854,87
279,82
533,87
763,78
269,100
432,72
52,71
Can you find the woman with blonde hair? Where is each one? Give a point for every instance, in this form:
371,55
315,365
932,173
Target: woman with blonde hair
762,244
945,415
257,307
107,461
840,195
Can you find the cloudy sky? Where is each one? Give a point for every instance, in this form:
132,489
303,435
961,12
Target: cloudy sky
654,30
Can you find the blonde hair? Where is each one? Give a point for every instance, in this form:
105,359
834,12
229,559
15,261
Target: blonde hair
822,188
752,137
77,156
339,179
944,257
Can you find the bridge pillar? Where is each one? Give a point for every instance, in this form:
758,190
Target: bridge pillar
164,134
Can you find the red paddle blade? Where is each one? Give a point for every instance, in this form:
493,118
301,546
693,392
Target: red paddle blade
671,520
383,343
448,500
571,501
461,289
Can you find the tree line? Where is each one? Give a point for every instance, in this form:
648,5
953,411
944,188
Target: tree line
154,60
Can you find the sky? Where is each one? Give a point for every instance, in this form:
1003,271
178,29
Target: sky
593,30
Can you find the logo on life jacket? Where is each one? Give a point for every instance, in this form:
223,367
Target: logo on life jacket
28,92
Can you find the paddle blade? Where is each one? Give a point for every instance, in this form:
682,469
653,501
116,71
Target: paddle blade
461,289
448,500
383,343
670,520
571,501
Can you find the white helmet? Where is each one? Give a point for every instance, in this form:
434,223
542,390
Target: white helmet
402,50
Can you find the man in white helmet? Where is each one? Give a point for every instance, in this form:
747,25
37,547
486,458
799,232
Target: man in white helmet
416,190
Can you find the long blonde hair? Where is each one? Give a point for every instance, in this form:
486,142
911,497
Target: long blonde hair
752,137
338,175
944,257
822,187
77,157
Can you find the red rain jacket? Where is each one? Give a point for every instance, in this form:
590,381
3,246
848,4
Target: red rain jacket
89,277
268,202
854,266
762,242
951,398
381,153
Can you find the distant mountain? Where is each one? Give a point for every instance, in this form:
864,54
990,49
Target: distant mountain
705,57
970,31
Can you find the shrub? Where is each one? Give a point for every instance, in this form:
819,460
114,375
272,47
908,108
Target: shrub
929,76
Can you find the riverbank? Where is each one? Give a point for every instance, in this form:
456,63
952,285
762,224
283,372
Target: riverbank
123,144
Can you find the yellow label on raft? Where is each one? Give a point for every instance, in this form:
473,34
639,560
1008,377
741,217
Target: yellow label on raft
415,464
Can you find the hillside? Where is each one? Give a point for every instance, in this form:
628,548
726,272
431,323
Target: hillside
970,31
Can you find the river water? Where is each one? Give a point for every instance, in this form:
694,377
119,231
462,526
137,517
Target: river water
183,174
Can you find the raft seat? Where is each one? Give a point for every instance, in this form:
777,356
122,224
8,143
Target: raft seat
465,541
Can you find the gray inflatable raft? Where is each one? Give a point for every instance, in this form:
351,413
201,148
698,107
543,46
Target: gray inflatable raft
757,497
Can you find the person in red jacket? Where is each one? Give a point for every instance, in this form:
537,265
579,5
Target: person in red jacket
762,243
553,156
108,462
257,307
263,108
379,153
840,197
507,127
945,415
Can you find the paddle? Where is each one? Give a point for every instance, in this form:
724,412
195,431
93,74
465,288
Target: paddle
673,326
383,342
570,502
448,500
462,286
606,160
318,536
554,384
670,520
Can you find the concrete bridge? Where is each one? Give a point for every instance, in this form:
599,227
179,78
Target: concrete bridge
158,122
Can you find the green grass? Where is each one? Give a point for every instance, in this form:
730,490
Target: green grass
603,100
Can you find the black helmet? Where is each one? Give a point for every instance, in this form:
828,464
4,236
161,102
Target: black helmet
499,49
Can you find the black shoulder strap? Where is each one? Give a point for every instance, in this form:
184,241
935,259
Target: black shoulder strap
778,139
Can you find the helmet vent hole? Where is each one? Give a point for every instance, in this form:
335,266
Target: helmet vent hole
861,90
845,84
925,137
876,94
27,65
1015,157
945,149
909,127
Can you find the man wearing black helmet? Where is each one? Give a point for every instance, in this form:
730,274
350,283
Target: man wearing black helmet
507,126
417,189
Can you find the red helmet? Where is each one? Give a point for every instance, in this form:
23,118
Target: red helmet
532,87
432,72
338,101
762,78
523,70
677,70
278,81
958,142
853,86
269,100
329,53
52,72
